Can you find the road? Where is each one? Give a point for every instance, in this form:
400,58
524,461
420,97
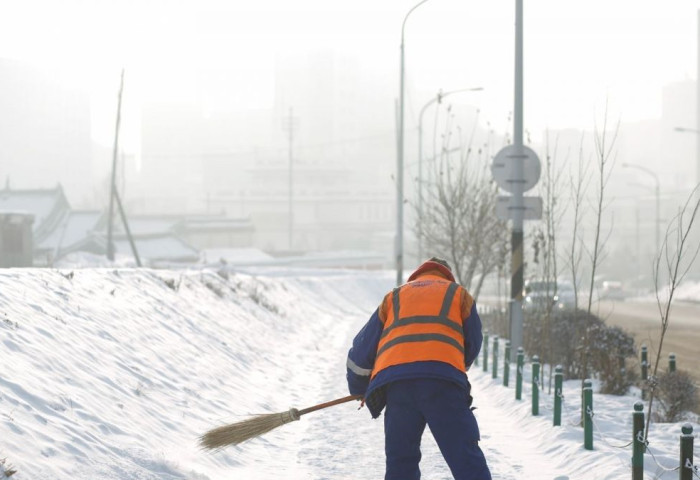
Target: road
643,321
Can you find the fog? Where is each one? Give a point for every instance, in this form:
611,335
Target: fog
282,115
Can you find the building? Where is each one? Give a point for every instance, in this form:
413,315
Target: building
39,227
16,244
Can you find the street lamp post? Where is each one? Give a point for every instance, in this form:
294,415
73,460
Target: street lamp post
399,162
437,98
657,194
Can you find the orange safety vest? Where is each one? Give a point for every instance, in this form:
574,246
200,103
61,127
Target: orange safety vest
423,323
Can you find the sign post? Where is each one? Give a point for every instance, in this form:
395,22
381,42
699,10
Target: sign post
516,169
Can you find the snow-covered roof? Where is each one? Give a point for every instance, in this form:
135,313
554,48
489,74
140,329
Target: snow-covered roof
146,225
47,206
75,226
214,223
152,224
235,255
158,248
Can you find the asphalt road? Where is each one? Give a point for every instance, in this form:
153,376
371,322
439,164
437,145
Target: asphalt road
643,321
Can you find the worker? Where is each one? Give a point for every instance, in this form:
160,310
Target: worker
411,357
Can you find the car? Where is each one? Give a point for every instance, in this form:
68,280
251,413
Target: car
539,294
612,290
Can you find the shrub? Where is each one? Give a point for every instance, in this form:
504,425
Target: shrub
564,343
610,347
676,394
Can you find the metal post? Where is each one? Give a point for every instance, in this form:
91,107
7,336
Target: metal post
558,393
638,442
486,351
588,416
672,362
535,385
290,225
494,373
420,183
516,304
399,162
519,374
645,366
697,108
399,177
506,364
686,470
585,384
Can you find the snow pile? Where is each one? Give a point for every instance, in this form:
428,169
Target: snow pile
689,292
114,373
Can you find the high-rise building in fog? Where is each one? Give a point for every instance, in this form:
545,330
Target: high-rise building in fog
326,120
678,155
45,136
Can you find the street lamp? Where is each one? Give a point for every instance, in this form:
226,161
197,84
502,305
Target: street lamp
399,161
437,98
656,190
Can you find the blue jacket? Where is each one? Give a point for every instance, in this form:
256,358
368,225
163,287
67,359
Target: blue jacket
363,352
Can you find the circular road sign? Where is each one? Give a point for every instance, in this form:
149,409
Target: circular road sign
504,171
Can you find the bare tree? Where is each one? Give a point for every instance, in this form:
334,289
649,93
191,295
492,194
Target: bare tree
459,220
676,257
546,243
605,161
579,186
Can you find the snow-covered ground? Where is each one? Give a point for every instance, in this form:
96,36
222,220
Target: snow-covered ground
115,373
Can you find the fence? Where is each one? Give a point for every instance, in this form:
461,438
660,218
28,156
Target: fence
639,446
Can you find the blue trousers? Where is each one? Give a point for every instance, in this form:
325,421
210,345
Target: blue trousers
444,407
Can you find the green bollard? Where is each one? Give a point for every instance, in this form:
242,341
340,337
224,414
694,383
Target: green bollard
638,442
588,416
645,365
672,362
494,373
587,383
687,469
506,364
535,385
486,351
519,374
558,393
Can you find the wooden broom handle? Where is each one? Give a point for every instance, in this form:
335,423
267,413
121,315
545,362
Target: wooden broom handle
330,404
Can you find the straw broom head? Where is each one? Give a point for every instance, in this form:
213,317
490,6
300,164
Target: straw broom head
236,433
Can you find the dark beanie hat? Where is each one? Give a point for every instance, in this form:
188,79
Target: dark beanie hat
434,263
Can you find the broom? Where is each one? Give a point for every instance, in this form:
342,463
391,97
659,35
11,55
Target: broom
236,433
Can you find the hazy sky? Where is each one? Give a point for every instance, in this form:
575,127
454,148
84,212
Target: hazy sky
577,54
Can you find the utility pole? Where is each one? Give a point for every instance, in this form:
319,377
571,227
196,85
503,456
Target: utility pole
114,195
113,183
289,126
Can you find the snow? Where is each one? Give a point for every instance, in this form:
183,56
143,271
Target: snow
113,373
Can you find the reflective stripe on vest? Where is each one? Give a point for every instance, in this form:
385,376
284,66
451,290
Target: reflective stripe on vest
423,324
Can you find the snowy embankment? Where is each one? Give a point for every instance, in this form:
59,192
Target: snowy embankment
113,374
